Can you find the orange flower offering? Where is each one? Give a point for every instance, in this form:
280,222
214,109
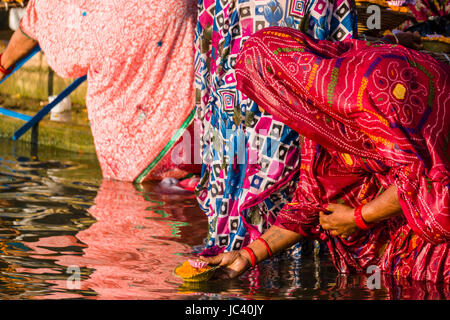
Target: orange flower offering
191,268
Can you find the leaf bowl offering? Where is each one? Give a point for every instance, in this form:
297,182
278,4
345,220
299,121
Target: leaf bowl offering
195,270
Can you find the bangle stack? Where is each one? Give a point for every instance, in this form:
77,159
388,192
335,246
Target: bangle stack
3,70
360,223
252,253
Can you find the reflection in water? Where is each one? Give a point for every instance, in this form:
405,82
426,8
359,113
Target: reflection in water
124,243
129,246
57,215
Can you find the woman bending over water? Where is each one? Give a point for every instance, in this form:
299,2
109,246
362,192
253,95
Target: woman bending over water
374,176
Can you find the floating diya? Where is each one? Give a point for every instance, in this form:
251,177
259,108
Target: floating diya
195,270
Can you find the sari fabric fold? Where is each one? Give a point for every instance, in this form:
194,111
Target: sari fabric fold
372,116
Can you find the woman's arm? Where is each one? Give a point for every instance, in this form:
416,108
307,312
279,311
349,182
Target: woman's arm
237,262
18,47
341,220
385,206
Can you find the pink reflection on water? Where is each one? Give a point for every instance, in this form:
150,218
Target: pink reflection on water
130,248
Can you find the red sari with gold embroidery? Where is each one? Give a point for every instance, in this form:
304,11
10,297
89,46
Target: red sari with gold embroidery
371,116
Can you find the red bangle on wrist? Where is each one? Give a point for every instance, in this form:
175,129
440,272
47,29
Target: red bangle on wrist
266,245
3,70
252,255
360,223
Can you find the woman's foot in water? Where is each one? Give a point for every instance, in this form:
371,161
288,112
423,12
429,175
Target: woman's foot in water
175,186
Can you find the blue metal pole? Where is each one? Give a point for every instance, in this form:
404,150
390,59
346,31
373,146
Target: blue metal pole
18,65
45,110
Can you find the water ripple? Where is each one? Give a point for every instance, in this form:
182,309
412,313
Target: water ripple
58,218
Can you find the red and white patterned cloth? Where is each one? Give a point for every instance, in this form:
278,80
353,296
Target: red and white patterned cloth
372,116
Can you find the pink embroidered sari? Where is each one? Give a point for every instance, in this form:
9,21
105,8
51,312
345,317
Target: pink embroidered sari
139,61
372,116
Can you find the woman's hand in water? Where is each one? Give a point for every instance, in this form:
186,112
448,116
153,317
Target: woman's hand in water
233,263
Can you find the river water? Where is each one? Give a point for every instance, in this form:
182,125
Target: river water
66,233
